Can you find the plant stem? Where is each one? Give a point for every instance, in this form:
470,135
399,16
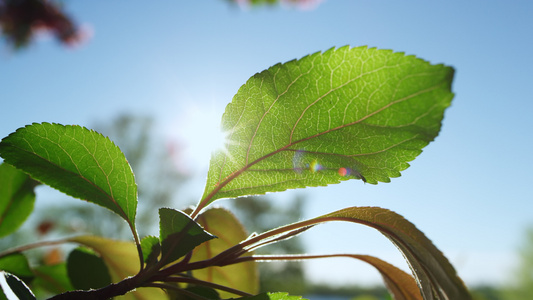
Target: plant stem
33,246
207,284
110,291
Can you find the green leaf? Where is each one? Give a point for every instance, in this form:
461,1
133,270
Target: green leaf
17,264
122,260
179,234
77,161
19,288
241,276
16,198
87,270
151,249
53,278
346,113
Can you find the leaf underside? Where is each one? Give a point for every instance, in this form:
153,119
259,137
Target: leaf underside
400,284
435,275
347,113
79,162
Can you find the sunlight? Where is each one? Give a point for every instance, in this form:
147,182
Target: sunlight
199,129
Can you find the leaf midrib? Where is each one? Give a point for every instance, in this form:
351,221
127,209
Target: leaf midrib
235,174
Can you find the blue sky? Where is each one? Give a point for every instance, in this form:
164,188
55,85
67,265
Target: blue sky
182,61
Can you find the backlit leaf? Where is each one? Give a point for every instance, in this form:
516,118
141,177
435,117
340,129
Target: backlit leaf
346,113
77,161
241,276
16,198
179,234
122,261
151,248
435,275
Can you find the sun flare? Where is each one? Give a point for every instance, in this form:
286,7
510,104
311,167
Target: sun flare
199,129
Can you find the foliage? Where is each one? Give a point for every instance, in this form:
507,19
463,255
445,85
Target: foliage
347,113
523,274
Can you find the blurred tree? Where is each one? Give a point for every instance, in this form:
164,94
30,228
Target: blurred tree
296,3
522,286
259,214
155,164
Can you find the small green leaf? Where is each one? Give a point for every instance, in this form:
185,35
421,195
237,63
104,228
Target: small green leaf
19,288
87,270
17,264
122,260
241,276
16,198
77,161
151,249
179,234
53,278
346,113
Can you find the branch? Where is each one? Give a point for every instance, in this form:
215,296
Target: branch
33,246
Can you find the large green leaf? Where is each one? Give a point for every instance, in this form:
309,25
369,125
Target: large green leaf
328,117
77,161
227,228
179,234
16,198
122,261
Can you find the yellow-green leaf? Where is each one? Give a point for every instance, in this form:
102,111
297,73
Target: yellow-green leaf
122,260
227,228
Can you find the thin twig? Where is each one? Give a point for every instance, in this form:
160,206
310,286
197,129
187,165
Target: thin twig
33,246
207,284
